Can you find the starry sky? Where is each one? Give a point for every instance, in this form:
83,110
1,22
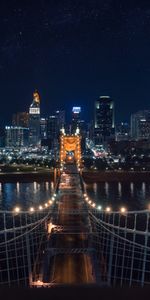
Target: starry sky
73,51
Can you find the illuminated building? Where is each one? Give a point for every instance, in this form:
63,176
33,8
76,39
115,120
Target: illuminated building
34,120
16,136
76,112
122,132
21,119
60,114
52,131
104,127
140,125
2,137
43,128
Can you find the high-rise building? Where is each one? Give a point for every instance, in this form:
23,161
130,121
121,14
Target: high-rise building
60,114
43,128
34,120
16,136
2,137
123,132
52,131
140,125
104,123
76,113
21,119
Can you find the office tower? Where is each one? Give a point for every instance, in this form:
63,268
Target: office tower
21,119
140,125
43,128
34,120
52,131
60,114
76,113
123,132
2,137
104,127
16,136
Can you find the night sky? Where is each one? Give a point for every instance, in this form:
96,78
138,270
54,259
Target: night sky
73,52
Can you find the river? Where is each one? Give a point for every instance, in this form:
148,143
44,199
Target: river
134,196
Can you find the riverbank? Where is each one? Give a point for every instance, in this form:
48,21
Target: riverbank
116,176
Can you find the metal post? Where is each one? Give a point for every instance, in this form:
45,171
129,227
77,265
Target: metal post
111,255
7,258
132,259
145,251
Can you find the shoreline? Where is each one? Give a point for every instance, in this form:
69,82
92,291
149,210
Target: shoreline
116,176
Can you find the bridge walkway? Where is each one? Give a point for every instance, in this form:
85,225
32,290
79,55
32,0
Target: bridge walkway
69,260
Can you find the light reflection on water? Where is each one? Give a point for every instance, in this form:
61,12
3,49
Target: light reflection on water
24,194
117,194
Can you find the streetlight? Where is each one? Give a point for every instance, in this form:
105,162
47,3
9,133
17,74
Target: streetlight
108,209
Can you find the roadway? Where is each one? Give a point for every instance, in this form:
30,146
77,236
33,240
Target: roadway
70,268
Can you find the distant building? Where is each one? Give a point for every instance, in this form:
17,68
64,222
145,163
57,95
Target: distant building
60,114
52,131
140,125
123,132
34,121
16,136
104,123
76,118
21,119
43,128
2,137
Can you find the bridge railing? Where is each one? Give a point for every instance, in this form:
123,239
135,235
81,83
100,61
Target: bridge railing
122,243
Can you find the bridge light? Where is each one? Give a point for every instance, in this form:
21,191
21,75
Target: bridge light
17,209
108,209
90,201
50,201
40,207
84,195
31,209
53,198
123,209
46,204
99,207
93,204
87,198
55,195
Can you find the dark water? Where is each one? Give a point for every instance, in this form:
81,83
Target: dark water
135,196
24,195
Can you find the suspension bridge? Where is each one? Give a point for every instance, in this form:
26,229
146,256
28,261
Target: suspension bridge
71,240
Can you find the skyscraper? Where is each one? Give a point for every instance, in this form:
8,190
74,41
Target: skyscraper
34,120
104,127
76,112
16,136
21,119
140,125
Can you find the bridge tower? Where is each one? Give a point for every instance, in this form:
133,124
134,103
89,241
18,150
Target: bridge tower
70,147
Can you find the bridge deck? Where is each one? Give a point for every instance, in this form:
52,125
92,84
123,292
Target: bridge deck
73,265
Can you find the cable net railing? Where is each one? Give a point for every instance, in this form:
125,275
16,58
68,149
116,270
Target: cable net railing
22,239
122,245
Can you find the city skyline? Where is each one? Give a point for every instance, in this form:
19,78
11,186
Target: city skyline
73,53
